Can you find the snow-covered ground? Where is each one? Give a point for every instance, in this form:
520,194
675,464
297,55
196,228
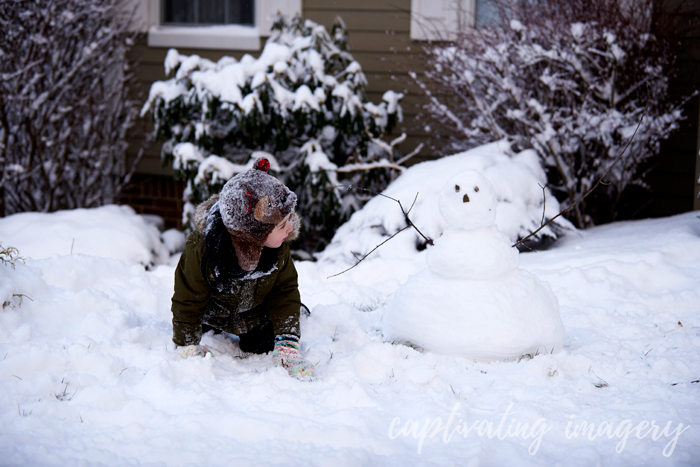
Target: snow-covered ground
88,375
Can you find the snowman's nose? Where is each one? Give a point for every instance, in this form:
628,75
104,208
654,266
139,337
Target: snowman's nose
465,198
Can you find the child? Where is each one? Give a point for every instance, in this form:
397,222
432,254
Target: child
236,274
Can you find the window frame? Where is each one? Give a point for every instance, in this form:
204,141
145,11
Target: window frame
196,13
436,19
219,37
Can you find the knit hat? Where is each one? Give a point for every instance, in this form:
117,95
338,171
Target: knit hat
251,204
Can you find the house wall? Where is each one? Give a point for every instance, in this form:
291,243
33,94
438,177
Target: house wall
379,32
153,189
380,41
379,36
673,174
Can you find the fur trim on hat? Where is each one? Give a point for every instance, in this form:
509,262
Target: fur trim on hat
295,220
202,211
251,205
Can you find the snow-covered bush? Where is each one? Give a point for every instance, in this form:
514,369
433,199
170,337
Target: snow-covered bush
65,107
571,79
301,102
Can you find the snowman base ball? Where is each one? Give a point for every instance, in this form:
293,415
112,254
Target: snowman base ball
472,299
503,318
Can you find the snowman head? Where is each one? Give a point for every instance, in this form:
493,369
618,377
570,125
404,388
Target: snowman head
468,201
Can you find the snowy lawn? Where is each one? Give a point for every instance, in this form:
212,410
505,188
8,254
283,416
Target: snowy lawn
88,375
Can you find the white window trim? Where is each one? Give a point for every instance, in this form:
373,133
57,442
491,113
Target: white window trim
441,19
224,37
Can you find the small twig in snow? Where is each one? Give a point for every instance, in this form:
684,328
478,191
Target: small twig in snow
601,382
686,382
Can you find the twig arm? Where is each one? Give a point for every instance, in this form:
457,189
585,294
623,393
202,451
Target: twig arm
409,223
590,190
371,251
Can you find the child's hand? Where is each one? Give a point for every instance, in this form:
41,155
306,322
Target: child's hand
193,351
286,354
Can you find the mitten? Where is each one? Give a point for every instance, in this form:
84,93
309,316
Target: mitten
286,354
193,351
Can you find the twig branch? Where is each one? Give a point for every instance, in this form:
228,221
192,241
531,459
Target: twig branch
598,182
389,148
410,154
409,223
686,382
405,213
382,164
371,251
544,203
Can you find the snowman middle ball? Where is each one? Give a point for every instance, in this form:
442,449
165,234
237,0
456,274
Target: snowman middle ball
471,247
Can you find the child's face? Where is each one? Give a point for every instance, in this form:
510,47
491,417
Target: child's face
279,233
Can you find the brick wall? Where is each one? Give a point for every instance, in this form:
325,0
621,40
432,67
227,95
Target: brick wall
156,194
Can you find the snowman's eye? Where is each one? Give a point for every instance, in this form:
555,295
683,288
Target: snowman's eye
476,188
457,188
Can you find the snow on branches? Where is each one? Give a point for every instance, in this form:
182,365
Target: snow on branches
65,107
568,83
302,100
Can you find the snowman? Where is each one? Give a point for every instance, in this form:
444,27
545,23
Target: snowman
473,299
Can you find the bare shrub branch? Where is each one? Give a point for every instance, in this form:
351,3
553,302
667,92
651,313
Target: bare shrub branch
566,78
65,103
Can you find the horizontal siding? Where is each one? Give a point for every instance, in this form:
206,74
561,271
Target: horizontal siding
149,69
379,39
357,5
157,54
397,21
380,42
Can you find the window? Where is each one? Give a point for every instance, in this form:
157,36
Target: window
203,12
441,19
214,24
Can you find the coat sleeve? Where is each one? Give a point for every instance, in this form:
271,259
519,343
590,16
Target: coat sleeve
284,300
191,293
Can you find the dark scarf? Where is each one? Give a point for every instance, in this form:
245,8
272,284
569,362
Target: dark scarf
219,266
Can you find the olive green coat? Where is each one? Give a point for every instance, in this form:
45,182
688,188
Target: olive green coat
250,302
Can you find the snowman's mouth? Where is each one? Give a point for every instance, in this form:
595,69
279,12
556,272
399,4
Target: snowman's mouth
465,198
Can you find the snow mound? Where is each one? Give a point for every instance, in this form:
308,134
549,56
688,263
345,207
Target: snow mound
88,375
112,231
517,181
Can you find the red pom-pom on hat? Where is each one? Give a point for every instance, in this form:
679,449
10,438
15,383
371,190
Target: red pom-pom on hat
262,164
